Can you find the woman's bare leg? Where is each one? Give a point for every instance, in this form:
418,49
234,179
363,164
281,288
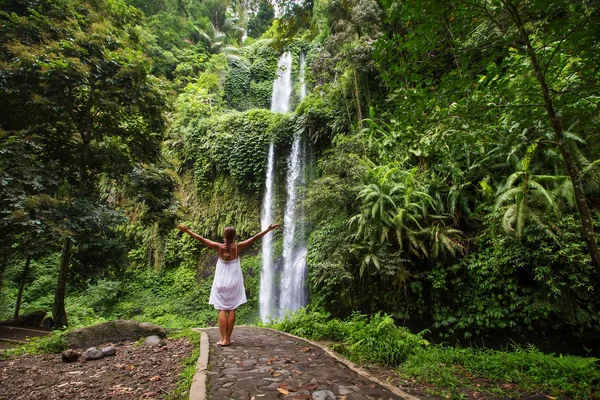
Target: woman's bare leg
223,326
230,324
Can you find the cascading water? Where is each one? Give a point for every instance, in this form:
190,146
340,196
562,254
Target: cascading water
301,76
266,298
280,102
288,300
293,277
292,288
282,87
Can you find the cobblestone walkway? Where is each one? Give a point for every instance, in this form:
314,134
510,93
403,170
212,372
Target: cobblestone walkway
263,364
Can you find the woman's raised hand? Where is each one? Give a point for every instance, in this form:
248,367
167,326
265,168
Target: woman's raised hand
183,228
273,226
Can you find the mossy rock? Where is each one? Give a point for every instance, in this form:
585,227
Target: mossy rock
112,331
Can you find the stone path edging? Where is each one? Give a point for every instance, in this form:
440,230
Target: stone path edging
352,366
198,388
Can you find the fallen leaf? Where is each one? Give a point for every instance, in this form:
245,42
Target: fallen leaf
296,371
154,378
130,366
306,349
283,391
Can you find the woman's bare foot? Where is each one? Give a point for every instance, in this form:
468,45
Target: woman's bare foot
225,344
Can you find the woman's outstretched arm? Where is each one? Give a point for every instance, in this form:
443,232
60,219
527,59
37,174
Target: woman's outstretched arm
248,242
209,243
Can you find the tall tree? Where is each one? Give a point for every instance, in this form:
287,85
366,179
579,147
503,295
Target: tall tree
585,17
530,63
76,77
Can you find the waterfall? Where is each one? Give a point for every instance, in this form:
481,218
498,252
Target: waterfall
266,298
301,76
282,87
292,285
293,277
280,102
288,298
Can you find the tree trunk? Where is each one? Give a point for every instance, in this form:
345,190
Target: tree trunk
58,312
570,164
22,285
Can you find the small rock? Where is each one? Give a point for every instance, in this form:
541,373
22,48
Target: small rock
93,354
273,379
70,355
323,395
342,390
154,341
109,351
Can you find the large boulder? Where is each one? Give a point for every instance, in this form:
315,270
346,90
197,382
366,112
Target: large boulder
112,331
33,320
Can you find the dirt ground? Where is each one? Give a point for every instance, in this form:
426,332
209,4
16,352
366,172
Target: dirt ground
135,372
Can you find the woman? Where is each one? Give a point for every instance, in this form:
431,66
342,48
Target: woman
227,292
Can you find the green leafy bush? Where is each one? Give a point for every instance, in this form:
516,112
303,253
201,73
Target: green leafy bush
521,287
366,339
51,344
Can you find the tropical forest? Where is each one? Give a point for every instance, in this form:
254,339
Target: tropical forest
433,166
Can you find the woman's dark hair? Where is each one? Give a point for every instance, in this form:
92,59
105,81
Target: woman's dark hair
229,235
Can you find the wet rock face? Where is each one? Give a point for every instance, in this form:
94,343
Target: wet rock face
112,332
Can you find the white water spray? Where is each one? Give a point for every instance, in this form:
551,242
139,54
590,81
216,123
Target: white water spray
280,102
266,298
293,285
287,299
282,87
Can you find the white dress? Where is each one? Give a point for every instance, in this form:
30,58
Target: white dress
228,292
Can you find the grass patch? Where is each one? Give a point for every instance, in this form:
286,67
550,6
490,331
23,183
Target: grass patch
447,370
181,392
52,344
503,373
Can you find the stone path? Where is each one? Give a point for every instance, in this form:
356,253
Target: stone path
263,364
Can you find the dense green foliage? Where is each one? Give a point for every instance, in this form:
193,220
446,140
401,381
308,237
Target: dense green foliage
454,185
452,370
